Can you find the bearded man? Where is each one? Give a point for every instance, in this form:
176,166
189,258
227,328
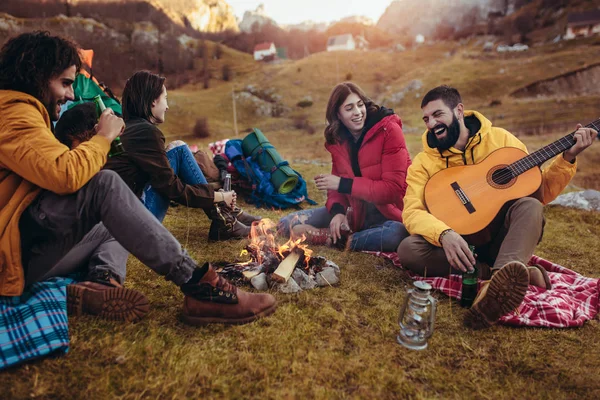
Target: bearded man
457,137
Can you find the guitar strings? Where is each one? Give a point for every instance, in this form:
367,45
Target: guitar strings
480,186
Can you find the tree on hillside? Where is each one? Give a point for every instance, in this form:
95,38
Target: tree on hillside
524,24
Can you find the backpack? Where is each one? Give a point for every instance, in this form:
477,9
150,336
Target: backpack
261,191
86,86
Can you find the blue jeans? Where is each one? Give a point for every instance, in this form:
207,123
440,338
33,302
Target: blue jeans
383,237
186,168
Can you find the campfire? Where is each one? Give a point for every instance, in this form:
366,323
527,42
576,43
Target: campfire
289,267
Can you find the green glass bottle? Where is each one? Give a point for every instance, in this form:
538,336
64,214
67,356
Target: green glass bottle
469,285
116,147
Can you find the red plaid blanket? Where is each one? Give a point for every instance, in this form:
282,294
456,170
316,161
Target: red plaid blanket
572,300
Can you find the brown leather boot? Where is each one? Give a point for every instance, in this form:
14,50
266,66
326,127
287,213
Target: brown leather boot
320,236
215,300
107,300
225,226
498,296
244,217
538,276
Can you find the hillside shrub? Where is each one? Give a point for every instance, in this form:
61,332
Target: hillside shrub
304,103
302,122
201,128
226,72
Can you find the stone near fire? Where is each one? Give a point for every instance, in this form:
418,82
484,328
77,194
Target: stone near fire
289,287
327,277
303,280
259,282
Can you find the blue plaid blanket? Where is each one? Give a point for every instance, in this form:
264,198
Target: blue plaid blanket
34,324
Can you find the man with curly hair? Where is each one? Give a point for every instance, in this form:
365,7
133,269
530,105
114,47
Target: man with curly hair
59,211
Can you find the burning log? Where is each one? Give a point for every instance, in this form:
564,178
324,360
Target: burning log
286,267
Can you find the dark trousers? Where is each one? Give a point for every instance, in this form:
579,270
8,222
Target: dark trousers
95,228
521,231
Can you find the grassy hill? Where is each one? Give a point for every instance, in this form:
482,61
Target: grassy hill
340,342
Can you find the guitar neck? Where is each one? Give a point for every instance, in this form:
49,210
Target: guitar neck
547,152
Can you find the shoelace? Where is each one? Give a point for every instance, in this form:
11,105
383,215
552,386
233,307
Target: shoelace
225,285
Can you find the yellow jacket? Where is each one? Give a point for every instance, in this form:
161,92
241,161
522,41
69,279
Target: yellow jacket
31,159
419,221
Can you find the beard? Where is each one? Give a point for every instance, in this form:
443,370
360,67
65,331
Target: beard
53,109
452,134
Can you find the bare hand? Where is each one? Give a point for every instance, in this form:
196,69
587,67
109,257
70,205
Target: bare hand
583,139
327,182
457,252
109,125
335,226
229,198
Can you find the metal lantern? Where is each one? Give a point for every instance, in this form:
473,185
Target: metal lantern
417,317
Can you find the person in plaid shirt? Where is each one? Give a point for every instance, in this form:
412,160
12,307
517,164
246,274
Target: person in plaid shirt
455,137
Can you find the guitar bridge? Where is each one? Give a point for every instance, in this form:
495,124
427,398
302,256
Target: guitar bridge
462,196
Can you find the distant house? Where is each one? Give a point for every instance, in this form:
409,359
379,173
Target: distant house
265,50
583,24
341,42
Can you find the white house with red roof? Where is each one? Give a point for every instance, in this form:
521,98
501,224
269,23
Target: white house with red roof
266,49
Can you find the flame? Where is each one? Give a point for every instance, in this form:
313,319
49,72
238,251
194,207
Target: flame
262,239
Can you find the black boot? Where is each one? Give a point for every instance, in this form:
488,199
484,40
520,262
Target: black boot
244,217
225,226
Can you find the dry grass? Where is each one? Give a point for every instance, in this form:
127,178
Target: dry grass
337,342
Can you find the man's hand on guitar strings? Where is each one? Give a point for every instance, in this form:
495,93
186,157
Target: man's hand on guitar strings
457,252
583,139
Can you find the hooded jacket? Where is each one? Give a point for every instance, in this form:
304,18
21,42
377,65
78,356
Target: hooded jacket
419,221
383,160
32,159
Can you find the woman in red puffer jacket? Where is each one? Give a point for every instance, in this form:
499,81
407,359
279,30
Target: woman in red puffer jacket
366,187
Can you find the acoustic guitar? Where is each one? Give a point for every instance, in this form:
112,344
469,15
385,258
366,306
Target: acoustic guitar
468,198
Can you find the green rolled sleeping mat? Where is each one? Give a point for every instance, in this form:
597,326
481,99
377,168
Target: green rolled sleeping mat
257,146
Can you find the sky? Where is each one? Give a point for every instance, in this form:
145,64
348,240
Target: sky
286,12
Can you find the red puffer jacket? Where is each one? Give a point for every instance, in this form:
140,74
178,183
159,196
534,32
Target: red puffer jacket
383,160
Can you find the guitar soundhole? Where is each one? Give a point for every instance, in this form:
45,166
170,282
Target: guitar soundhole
500,177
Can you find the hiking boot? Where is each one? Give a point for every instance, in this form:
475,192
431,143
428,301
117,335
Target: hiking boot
213,299
225,226
244,217
220,230
498,296
538,276
320,236
109,301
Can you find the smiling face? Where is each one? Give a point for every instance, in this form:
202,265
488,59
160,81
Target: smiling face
352,113
442,124
60,90
160,107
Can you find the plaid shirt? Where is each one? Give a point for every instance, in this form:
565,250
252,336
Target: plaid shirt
572,300
34,324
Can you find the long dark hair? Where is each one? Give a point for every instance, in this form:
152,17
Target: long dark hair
339,94
139,93
30,60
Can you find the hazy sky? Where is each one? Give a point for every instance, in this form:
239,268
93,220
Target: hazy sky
295,11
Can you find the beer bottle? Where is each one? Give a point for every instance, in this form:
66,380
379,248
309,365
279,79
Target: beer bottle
116,147
469,285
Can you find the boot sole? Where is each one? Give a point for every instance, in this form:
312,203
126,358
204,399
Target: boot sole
116,304
505,293
200,321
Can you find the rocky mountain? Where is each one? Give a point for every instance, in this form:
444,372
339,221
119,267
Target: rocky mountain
200,15
256,18
407,16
